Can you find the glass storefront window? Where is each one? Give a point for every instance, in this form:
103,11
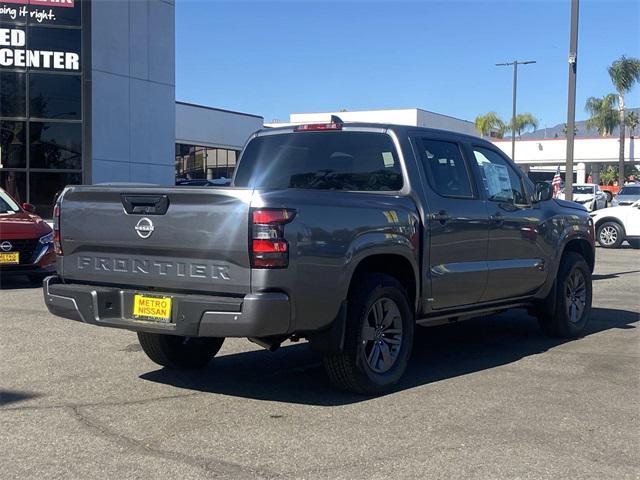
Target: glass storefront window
12,95
55,96
195,162
54,39
55,145
45,187
12,144
41,108
15,184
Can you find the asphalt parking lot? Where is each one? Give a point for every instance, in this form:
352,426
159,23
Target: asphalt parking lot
489,398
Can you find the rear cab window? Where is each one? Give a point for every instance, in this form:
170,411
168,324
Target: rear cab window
336,160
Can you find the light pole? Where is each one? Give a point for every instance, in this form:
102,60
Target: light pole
571,104
515,64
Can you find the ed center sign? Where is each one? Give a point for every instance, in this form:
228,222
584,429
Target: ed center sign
14,55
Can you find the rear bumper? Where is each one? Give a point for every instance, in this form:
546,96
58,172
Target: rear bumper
254,315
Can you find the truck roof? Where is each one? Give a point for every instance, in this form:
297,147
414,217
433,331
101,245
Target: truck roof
390,126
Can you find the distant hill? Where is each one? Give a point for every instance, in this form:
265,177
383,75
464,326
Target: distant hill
556,130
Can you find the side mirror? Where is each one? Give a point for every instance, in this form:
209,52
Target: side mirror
29,207
544,191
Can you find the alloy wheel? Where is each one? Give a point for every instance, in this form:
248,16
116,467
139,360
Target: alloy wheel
608,235
575,296
382,335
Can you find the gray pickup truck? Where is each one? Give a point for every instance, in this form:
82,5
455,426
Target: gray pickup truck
344,234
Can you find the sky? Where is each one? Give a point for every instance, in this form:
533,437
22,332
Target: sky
273,58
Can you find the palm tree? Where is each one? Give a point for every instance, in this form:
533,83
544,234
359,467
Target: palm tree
631,121
624,73
523,122
602,113
489,122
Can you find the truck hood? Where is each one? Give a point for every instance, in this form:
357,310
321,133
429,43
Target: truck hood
22,225
572,205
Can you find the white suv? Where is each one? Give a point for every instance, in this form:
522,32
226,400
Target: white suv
617,224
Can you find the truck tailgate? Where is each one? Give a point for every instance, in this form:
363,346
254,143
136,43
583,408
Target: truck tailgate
169,238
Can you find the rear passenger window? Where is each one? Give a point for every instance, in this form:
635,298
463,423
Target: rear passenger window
500,180
445,168
352,161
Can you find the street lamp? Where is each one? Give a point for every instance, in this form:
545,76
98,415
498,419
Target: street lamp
515,64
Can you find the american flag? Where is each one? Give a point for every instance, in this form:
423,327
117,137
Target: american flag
556,183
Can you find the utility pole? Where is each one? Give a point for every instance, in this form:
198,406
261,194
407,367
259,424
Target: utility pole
571,107
515,64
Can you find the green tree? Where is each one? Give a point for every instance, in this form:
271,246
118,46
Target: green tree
524,121
489,122
631,121
609,174
624,73
602,114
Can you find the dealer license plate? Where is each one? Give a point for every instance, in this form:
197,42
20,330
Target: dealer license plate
157,309
9,258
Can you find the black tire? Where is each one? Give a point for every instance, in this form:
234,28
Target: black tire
610,235
558,320
179,352
365,345
635,243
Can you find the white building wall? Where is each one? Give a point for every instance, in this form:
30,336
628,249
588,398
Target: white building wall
133,91
407,116
554,151
210,127
444,122
404,116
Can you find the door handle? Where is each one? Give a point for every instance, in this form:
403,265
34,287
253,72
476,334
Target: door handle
498,219
442,217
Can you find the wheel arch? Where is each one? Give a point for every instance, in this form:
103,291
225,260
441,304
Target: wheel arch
583,247
603,220
393,264
396,265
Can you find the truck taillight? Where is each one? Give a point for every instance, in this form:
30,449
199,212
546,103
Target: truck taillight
268,248
57,246
335,123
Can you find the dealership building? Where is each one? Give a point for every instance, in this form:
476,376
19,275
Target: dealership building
87,95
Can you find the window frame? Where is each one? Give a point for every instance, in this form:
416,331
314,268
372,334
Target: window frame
417,140
510,164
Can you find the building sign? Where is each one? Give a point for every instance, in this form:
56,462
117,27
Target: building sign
33,11
14,54
55,3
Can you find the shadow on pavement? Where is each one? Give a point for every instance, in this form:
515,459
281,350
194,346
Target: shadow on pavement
608,276
17,282
294,374
11,396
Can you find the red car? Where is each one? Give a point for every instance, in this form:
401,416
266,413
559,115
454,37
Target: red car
26,241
